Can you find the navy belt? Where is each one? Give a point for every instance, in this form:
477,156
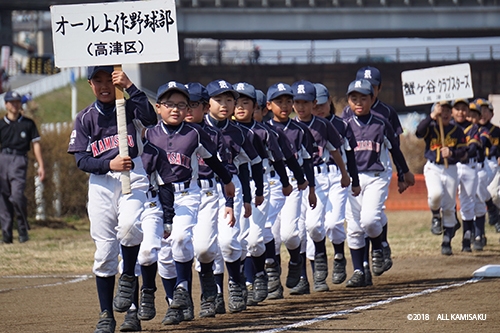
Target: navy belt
209,180
182,186
10,151
272,173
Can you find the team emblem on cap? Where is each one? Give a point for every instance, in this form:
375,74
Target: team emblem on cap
357,84
240,86
281,87
172,84
223,84
368,74
301,89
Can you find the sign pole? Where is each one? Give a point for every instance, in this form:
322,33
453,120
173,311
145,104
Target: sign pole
441,134
121,123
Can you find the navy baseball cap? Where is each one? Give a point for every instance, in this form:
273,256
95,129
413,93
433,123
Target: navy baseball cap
362,86
303,91
369,73
92,70
322,93
218,87
172,86
11,96
277,90
245,89
261,98
197,92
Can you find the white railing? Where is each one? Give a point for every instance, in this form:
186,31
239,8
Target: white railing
49,83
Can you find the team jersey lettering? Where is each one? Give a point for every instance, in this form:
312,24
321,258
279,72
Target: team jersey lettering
103,145
436,143
179,159
368,145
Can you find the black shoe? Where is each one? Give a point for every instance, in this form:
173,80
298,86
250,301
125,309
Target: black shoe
23,235
220,305
436,226
497,227
172,317
131,322
259,289
181,299
478,243
294,272
236,301
339,274
106,323
466,245
188,313
446,249
320,269
273,272
302,288
147,310
387,257
356,280
378,262
368,275
125,293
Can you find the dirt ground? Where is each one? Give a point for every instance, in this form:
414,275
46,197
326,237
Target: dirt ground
51,304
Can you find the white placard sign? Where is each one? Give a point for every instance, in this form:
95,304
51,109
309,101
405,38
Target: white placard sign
114,33
429,85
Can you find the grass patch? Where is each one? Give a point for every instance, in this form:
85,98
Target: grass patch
56,106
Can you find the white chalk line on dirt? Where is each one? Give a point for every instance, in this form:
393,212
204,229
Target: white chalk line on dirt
74,279
368,306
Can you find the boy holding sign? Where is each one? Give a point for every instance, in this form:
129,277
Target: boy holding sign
114,217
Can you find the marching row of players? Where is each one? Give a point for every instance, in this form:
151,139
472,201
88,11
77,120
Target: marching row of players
215,186
464,157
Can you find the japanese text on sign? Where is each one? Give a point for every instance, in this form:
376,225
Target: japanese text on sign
430,85
111,33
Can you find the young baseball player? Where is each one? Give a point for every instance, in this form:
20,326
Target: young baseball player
364,212
327,141
484,176
222,103
276,196
205,231
337,195
184,144
272,157
492,159
286,229
114,217
442,181
156,224
16,135
385,111
466,171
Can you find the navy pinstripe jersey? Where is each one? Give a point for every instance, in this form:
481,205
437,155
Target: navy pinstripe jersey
371,138
236,139
325,136
299,136
184,145
97,133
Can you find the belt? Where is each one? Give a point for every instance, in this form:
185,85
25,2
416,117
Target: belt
10,151
206,183
272,173
152,193
318,169
179,187
332,167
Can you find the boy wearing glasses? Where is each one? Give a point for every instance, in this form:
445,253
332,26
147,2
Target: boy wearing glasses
184,144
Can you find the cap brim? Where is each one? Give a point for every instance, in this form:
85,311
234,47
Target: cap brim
361,91
173,89
321,100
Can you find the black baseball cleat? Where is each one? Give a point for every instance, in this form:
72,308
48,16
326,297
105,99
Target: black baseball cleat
493,215
446,249
436,225
356,280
